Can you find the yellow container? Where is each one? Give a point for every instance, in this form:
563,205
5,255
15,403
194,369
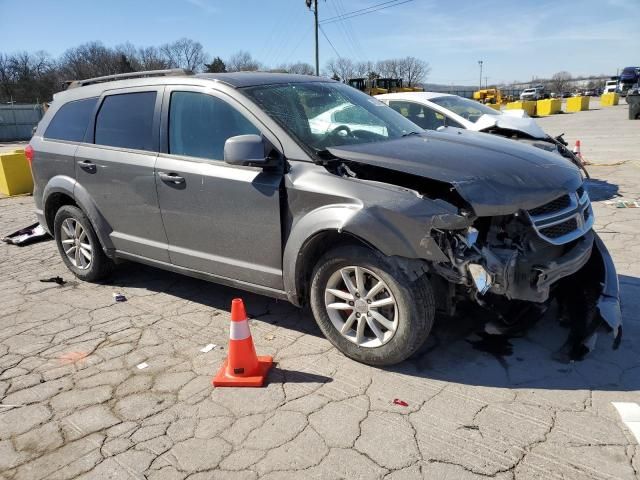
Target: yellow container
528,106
609,99
548,106
495,106
577,104
15,173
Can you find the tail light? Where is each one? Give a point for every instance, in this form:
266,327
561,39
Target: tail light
28,152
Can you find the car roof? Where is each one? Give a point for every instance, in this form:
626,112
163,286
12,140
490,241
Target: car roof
413,95
251,79
234,80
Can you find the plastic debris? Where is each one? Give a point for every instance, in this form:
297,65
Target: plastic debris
401,403
119,297
57,280
270,337
208,348
142,366
26,236
627,204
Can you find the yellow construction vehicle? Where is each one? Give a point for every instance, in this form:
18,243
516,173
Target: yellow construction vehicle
488,95
367,86
392,85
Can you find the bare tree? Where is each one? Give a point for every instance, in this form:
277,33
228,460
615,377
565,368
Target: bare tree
89,60
560,81
184,53
343,68
150,58
389,68
363,69
412,70
242,62
300,68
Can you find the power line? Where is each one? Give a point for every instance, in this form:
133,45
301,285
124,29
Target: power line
325,36
359,10
355,13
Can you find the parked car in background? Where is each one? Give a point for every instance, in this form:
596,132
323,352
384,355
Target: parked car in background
589,92
376,225
611,86
432,111
566,94
534,93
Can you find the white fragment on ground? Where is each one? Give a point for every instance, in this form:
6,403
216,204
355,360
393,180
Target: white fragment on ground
208,348
630,415
142,365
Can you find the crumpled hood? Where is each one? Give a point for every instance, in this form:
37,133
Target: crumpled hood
494,175
516,122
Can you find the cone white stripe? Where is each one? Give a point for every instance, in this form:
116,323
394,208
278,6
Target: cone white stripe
239,330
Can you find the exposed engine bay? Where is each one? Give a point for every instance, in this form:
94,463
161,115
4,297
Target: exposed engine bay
516,265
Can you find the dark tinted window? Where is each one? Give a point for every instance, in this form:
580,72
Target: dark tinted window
126,121
199,125
71,121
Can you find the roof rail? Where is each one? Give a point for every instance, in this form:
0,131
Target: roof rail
124,76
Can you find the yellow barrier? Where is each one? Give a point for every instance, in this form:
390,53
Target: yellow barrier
548,106
528,106
609,99
495,106
15,173
577,104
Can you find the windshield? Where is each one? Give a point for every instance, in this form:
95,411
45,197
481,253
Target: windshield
468,109
321,115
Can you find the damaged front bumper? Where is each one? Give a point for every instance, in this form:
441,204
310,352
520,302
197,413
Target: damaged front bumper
609,301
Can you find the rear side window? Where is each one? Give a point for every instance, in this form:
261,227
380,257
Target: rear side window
126,120
199,124
71,120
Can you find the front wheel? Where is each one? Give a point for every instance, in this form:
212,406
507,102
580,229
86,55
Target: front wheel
370,308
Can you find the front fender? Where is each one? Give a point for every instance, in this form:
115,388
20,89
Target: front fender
391,232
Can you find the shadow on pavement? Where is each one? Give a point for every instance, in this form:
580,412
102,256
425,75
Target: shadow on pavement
449,354
600,190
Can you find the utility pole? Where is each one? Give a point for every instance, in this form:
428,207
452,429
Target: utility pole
486,82
315,18
480,63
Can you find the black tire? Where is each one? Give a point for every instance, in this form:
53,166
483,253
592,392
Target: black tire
100,265
414,301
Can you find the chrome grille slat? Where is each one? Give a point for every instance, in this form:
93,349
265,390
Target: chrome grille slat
563,219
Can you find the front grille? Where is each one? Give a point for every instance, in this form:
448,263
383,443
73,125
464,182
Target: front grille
560,229
559,203
563,219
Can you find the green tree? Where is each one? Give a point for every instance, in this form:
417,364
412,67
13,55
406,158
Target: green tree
216,66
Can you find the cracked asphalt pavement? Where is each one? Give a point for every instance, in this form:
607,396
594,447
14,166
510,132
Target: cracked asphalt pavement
74,404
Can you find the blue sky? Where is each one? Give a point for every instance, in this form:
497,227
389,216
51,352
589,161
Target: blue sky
515,39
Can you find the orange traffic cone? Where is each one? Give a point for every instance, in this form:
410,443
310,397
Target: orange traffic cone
242,368
577,153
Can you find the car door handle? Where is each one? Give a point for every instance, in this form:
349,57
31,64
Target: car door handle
171,178
87,166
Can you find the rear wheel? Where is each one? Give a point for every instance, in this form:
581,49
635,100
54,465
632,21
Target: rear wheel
79,246
370,308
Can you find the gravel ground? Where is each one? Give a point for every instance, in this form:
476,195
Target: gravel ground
73,402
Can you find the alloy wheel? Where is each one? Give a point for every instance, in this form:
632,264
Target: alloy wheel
361,306
76,243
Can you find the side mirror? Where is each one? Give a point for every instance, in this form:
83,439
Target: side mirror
245,150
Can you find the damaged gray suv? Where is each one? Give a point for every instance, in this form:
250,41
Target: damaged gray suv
308,190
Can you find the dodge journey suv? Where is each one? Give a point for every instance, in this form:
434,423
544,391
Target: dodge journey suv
306,189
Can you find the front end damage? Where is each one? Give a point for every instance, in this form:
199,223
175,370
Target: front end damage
517,265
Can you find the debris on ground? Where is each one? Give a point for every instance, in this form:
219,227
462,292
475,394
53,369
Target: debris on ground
142,366
57,280
208,348
26,236
400,403
119,297
270,337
